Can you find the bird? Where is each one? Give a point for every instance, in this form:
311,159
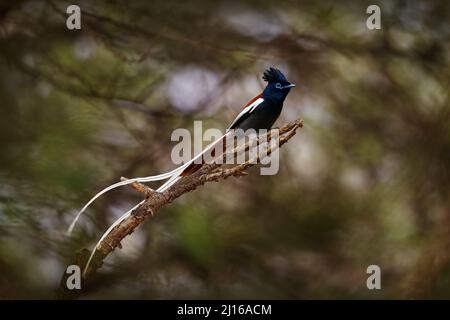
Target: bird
261,112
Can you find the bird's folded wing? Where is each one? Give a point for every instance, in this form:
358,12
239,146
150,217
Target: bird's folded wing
248,109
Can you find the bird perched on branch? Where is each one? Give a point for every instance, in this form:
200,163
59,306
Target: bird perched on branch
259,113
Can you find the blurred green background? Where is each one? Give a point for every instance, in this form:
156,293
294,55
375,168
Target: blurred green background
366,181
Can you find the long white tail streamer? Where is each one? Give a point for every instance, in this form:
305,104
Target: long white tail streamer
124,183
174,173
175,176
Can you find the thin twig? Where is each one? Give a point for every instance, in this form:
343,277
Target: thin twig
142,188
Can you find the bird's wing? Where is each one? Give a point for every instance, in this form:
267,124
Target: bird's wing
248,109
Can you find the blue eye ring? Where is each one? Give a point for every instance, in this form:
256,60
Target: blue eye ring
278,85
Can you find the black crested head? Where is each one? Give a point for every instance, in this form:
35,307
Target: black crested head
274,75
277,87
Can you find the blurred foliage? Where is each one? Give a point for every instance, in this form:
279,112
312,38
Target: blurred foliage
365,182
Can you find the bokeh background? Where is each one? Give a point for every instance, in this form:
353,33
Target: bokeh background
366,181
